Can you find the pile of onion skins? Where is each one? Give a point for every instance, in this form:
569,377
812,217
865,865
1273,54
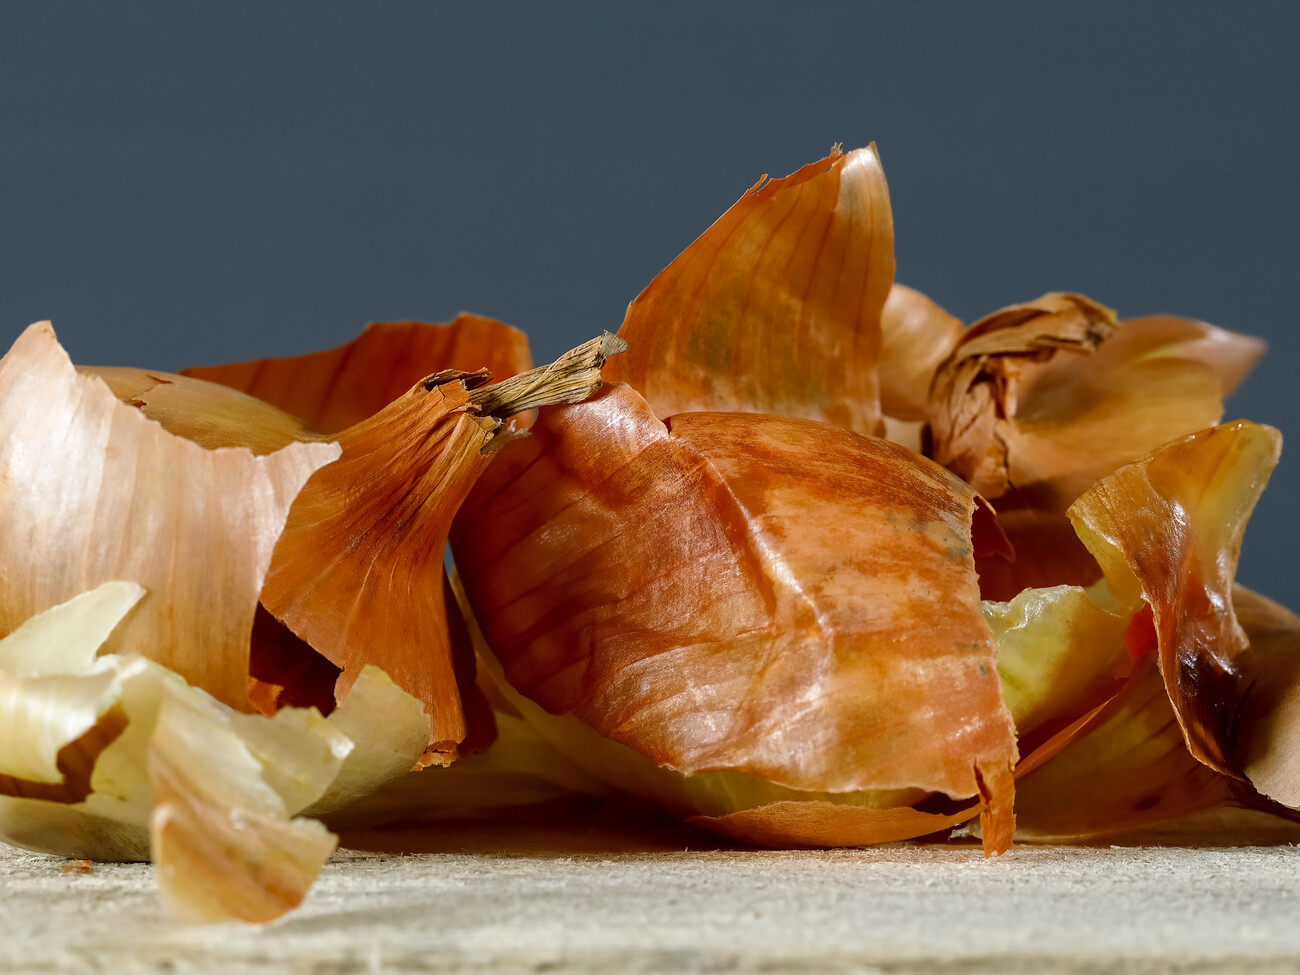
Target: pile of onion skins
816,566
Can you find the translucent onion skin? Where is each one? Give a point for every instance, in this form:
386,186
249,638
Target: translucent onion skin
743,592
1268,732
91,491
1167,529
776,307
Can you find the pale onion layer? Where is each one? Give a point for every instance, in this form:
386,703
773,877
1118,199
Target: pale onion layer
93,491
154,768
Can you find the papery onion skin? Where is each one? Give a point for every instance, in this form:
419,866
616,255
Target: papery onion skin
380,516
696,592
1268,727
93,491
917,335
1168,529
382,512
340,387
1042,399
221,840
776,307
1124,767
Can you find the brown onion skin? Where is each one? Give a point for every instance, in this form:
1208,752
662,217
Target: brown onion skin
746,592
1173,523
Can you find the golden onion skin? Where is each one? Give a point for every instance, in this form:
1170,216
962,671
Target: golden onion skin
742,592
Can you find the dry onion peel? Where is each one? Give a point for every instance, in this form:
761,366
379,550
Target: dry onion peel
195,527
222,840
681,590
1268,728
1167,529
1046,397
208,414
776,307
338,388
916,336
1126,768
368,530
205,791
382,512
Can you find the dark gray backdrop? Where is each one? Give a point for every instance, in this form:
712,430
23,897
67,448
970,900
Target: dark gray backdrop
186,183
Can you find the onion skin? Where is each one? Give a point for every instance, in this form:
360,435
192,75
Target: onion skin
95,492
1167,529
1123,767
776,307
742,592
382,511
917,336
1268,729
1038,401
340,387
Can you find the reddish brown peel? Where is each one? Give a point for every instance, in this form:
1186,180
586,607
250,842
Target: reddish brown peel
358,570
740,592
776,307
382,512
335,389
820,825
1168,529
1038,401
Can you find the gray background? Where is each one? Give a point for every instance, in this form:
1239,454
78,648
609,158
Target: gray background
185,183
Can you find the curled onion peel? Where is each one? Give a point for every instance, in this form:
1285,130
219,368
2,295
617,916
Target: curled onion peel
916,336
1167,529
91,491
175,776
1125,767
776,307
1040,400
366,533
700,593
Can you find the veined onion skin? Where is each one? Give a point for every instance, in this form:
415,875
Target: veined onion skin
743,592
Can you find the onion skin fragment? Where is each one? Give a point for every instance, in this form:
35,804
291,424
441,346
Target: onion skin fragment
1268,729
1040,400
92,491
776,307
338,388
818,825
206,413
917,336
695,591
222,842
357,574
382,513
1167,529
1123,767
